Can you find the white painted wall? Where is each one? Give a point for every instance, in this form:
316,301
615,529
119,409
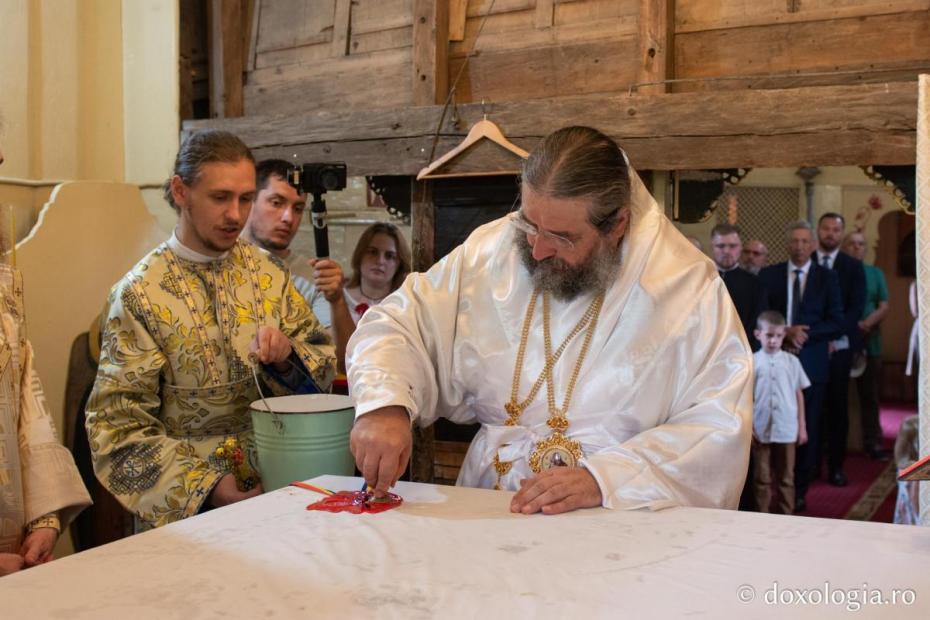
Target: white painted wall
88,92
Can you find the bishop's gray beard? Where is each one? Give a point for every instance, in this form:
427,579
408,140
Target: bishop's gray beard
564,281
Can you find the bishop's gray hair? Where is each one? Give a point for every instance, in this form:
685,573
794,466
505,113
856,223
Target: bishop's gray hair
581,162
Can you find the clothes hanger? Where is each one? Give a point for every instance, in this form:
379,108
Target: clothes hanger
483,129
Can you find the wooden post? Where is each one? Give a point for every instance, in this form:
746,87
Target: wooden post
225,42
341,22
430,51
656,44
423,217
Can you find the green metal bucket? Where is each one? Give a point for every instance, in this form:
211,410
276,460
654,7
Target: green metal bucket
303,436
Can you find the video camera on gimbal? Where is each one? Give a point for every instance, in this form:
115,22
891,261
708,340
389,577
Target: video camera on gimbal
316,180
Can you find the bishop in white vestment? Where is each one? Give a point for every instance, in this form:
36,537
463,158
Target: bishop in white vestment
662,404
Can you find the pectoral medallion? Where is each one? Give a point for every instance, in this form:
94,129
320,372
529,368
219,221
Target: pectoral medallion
557,450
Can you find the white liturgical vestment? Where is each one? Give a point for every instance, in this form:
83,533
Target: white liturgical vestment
663,403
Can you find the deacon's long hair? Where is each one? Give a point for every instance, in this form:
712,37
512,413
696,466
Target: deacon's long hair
205,147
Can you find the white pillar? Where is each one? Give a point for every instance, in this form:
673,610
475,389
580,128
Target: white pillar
923,279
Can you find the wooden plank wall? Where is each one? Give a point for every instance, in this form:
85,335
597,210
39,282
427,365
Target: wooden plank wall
873,40
531,49
527,49
361,54
307,59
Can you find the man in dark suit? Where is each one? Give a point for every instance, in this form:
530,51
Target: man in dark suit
851,274
747,293
809,297
750,299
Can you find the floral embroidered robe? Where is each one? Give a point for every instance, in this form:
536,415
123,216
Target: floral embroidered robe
175,380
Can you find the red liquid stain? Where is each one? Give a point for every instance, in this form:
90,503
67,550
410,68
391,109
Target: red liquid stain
354,502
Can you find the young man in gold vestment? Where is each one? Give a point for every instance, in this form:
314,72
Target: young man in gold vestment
180,332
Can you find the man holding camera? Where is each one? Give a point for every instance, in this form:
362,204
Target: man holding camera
275,218
188,332
272,226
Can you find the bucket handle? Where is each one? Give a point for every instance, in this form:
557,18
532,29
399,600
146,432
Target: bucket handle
275,418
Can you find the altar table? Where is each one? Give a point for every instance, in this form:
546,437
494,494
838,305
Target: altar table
451,552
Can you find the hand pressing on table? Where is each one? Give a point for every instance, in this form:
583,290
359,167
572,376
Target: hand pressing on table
557,490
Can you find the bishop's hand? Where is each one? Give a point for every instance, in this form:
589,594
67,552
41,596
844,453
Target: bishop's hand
557,490
381,443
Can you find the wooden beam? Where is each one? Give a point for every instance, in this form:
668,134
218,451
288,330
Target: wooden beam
187,42
421,460
820,125
545,13
458,14
341,23
430,51
656,44
225,42
423,219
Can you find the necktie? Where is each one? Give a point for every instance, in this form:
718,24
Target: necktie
825,261
796,298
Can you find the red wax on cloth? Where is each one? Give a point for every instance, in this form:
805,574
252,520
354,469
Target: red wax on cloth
355,502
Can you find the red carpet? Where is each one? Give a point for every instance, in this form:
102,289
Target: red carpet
871,492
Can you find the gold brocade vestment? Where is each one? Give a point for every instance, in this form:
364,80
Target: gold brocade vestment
174,380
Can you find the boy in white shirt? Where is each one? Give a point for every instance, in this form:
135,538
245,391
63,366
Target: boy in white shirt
777,415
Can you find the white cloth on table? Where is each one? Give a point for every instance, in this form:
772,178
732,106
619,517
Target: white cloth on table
663,402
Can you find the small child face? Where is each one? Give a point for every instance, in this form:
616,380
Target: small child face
771,336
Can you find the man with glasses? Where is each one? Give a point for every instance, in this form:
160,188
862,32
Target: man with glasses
754,257
595,345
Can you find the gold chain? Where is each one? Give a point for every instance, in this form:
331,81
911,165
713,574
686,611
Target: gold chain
515,408
557,421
